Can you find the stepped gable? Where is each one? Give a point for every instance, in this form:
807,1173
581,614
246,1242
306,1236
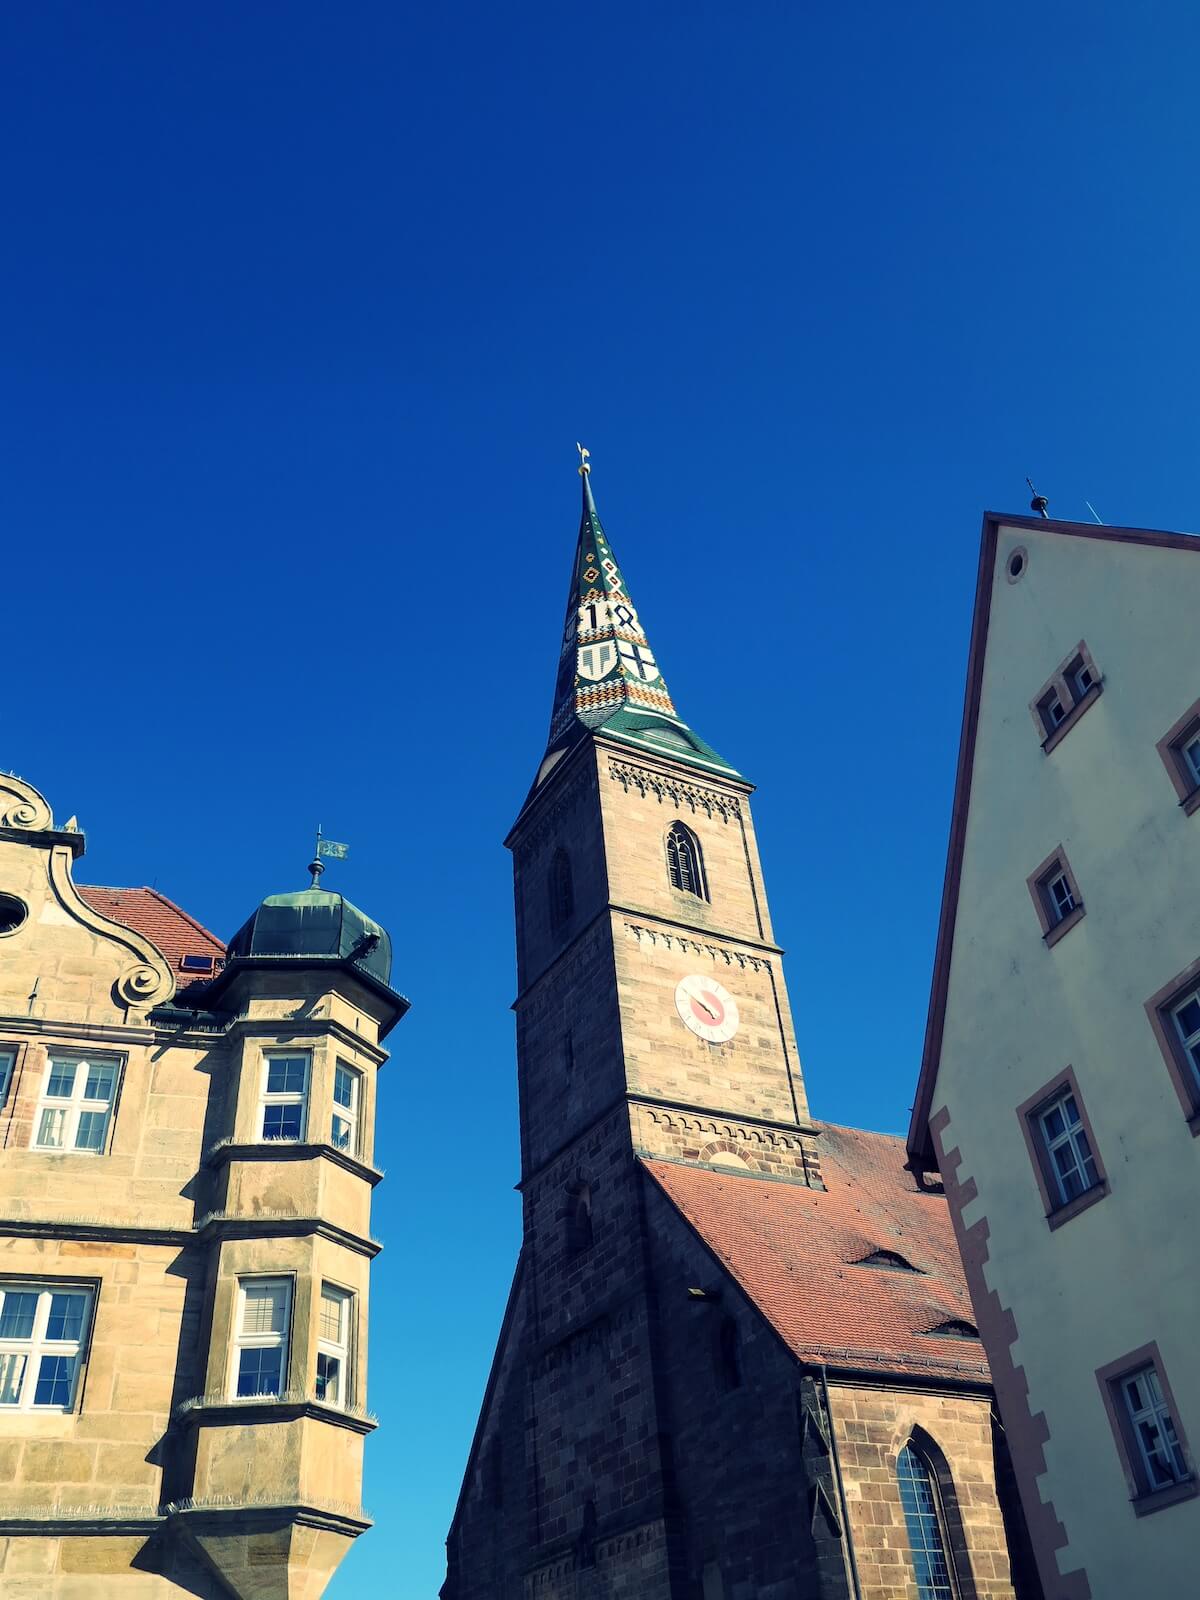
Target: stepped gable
160,920
795,1252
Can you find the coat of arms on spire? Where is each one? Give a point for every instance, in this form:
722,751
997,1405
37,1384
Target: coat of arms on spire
608,676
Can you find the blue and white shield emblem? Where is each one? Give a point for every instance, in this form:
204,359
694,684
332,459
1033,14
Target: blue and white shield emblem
638,659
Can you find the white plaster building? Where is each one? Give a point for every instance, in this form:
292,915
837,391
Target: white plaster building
1060,1088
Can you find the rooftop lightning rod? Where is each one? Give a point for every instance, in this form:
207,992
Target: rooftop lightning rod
1094,512
1039,501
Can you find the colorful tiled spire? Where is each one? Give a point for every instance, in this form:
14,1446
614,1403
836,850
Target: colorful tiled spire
607,674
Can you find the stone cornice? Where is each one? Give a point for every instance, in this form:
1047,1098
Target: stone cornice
222,1412
216,1225
288,1150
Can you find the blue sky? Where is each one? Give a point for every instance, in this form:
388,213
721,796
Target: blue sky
303,311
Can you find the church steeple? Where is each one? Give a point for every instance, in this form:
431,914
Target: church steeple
608,677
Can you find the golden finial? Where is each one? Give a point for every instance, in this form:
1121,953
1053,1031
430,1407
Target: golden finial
584,468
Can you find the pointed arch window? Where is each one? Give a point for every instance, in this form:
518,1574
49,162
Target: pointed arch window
685,864
923,1515
562,889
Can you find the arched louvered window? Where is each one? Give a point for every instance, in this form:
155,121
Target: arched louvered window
579,1219
926,1527
729,1354
685,867
562,890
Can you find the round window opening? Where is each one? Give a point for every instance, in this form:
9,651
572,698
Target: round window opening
1017,563
12,913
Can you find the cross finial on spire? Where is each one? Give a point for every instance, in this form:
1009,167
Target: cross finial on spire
584,468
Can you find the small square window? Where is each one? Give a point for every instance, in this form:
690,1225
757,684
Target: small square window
1147,1431
1056,896
1061,701
1179,749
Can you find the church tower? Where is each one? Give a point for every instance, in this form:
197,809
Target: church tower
658,1423
648,977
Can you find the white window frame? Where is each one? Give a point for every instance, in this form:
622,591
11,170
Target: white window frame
275,1338
75,1105
1073,1133
8,1060
1156,1415
336,1348
1082,671
1189,749
1060,905
351,1114
288,1097
1190,1041
38,1347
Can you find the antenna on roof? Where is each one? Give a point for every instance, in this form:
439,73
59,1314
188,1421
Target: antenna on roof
1039,501
1094,512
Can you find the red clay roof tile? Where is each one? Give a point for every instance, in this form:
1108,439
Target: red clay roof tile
793,1252
158,919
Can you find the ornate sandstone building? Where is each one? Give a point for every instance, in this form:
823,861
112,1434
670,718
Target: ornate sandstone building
186,1139
738,1360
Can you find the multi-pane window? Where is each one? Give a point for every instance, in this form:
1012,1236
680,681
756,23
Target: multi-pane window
7,1058
42,1333
1062,900
1190,751
333,1346
263,1315
685,868
347,1093
1187,1021
285,1096
76,1104
1064,697
1179,748
1053,711
922,1515
1160,1459
1068,1150
1056,896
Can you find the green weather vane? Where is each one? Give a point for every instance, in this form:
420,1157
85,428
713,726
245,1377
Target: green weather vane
325,847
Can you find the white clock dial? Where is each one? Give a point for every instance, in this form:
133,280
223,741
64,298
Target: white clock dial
707,1009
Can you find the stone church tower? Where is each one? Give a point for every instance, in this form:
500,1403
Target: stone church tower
737,1359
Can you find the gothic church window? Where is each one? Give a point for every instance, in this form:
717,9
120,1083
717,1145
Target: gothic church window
685,866
562,890
925,1516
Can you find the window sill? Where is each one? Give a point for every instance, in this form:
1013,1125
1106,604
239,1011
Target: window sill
1052,935
290,1150
1191,802
1146,1505
1193,1123
1072,717
223,1410
1081,1202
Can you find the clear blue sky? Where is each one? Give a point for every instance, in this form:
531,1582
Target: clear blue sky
304,308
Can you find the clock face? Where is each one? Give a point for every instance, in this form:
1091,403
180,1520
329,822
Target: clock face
707,1009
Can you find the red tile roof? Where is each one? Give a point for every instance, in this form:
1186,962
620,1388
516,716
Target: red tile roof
793,1252
160,920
